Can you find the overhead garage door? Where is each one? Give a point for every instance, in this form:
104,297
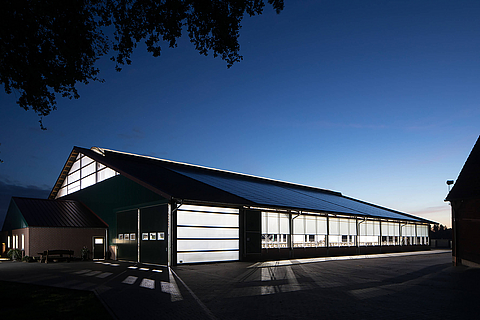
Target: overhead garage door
207,234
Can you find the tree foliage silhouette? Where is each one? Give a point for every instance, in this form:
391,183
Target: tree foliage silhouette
48,46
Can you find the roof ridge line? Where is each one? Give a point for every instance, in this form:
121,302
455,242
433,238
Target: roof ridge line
102,152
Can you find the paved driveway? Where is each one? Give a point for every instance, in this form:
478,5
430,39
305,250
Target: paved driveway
423,286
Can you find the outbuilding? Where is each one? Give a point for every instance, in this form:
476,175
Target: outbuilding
165,212
465,202
37,225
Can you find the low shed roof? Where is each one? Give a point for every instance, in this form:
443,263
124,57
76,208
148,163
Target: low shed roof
57,213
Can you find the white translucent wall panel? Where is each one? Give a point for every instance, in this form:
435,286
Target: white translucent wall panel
352,223
390,229
408,230
207,244
264,223
72,177
85,161
343,226
73,187
422,230
208,209
321,225
198,232
370,228
284,223
310,224
87,170
192,218
272,223
84,173
334,226
75,166
88,181
299,225
207,234
105,174
62,192
196,257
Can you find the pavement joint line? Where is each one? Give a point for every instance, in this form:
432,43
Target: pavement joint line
284,263
209,314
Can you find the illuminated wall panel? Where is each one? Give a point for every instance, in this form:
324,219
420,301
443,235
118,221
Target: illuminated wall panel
84,173
195,257
207,234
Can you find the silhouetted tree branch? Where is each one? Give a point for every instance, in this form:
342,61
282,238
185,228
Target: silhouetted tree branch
48,46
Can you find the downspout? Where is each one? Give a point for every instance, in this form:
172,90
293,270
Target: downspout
401,234
290,240
358,234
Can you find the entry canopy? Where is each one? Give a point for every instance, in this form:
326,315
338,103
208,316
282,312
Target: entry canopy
175,180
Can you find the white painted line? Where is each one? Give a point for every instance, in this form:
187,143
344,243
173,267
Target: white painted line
93,273
130,280
132,267
148,283
175,294
210,315
114,264
144,269
104,275
156,270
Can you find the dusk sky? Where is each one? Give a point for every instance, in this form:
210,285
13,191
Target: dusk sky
376,99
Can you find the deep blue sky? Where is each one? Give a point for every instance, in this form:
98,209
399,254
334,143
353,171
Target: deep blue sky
376,99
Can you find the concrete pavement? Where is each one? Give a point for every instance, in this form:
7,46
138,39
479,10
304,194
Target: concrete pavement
395,286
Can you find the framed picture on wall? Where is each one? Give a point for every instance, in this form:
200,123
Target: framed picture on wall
153,236
132,236
145,236
120,236
161,236
126,236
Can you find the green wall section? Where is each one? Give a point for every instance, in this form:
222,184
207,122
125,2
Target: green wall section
14,218
112,195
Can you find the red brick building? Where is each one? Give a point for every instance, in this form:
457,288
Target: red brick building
465,201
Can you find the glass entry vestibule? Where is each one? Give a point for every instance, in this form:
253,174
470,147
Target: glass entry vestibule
285,230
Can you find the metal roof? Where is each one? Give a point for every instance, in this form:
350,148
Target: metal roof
192,182
57,213
467,185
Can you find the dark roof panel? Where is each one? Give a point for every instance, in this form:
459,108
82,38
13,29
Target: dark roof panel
190,182
57,213
467,185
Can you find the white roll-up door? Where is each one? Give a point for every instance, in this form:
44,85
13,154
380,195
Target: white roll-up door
207,234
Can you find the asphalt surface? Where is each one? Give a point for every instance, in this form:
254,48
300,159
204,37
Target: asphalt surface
395,286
